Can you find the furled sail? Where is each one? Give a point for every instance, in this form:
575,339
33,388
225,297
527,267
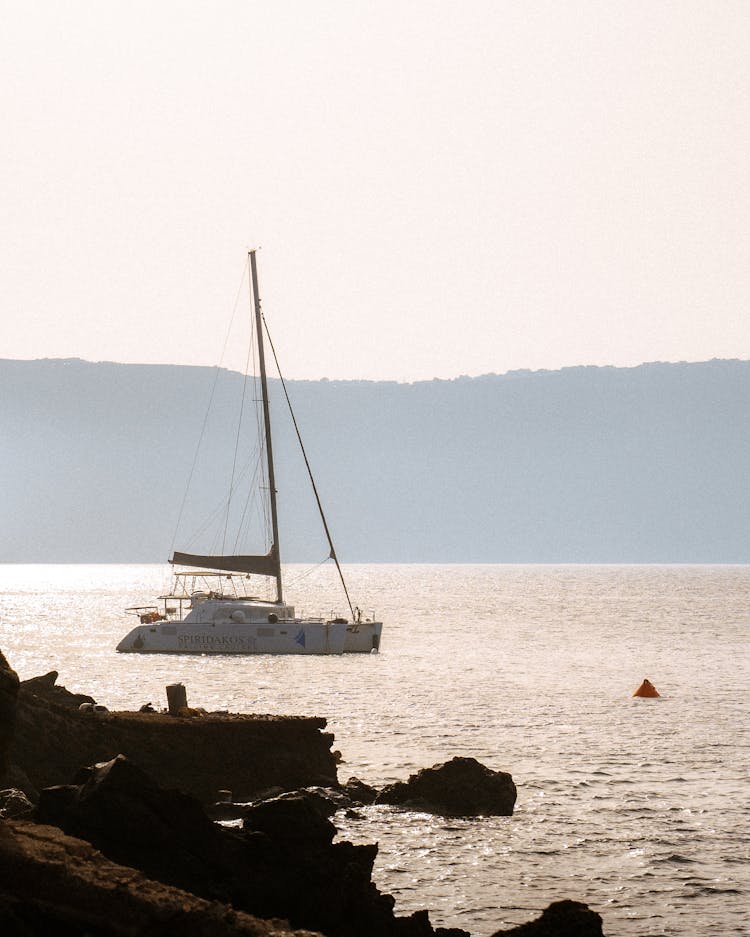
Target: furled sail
266,564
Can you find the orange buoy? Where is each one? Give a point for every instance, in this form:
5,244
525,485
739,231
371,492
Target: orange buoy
646,689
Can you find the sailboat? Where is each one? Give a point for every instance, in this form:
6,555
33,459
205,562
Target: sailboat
209,610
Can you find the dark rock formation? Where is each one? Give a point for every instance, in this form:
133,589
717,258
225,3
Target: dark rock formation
560,919
46,687
14,804
337,798
353,794
8,695
51,883
283,863
359,793
166,834
461,787
200,755
319,884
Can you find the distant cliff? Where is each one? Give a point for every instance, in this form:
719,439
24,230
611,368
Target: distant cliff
646,464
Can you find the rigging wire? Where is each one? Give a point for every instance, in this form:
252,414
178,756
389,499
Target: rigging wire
218,511
239,433
309,470
245,518
217,371
236,447
294,580
264,487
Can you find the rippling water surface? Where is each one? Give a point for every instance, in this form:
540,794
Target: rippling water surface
637,807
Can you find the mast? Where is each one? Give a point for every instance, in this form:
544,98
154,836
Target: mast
266,423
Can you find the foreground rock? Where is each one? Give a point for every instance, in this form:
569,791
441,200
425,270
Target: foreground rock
51,883
8,696
201,755
560,919
14,804
120,810
461,787
281,864
359,793
352,794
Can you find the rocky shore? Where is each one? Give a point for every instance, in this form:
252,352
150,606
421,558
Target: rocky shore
199,754
108,825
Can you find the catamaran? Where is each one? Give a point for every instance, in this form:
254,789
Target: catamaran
209,610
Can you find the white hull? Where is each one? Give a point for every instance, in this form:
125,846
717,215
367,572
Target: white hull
362,637
284,637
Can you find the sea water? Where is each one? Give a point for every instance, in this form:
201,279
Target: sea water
638,807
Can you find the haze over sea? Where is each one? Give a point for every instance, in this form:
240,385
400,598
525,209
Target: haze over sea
637,807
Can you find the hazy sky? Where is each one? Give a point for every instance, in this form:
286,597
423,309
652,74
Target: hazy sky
438,188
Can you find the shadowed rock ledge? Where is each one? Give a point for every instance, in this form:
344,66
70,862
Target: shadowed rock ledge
51,883
246,754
